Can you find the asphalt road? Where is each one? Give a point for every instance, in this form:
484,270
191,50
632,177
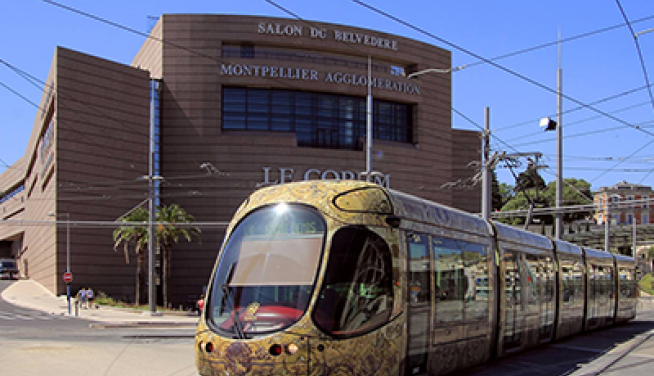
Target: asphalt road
37,343
34,343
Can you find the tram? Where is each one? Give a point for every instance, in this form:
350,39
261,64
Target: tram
350,278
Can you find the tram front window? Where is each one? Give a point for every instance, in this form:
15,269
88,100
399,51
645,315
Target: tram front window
357,292
266,271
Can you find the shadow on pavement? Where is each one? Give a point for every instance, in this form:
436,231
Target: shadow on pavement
562,357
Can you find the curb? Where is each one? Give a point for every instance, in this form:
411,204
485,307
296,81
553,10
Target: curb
135,324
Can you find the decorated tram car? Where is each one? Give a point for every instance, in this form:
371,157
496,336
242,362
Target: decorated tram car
349,278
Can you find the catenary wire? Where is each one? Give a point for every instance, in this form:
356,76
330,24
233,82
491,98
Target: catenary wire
640,53
607,99
500,67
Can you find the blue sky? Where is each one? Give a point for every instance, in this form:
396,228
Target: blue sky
598,148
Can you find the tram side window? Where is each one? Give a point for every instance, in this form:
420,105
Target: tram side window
609,282
357,291
477,296
572,274
624,283
450,284
419,285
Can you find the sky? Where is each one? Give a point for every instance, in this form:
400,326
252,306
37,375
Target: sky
608,113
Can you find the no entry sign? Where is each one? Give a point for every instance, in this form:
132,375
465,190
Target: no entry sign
68,277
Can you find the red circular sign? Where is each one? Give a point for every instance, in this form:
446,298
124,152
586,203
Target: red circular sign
68,277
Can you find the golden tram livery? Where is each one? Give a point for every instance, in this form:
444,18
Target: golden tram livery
349,278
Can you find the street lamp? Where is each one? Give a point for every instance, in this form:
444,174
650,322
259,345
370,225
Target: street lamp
486,177
67,251
434,70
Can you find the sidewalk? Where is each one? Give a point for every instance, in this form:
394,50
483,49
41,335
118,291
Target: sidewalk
30,294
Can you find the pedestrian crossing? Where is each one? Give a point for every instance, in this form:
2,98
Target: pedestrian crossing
31,316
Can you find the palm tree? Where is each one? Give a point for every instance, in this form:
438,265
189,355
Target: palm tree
169,233
129,233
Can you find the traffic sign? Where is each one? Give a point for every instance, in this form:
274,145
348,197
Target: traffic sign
68,277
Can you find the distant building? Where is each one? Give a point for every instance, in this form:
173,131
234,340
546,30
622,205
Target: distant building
628,201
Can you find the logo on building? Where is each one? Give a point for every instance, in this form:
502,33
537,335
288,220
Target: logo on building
288,175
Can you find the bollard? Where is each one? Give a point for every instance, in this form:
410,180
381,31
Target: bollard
76,308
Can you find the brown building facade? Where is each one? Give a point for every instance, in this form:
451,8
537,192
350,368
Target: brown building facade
235,103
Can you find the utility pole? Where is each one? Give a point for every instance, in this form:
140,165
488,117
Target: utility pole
486,191
607,226
633,251
559,146
369,123
152,287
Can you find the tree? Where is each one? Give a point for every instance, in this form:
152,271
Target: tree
138,235
547,199
571,196
501,192
169,233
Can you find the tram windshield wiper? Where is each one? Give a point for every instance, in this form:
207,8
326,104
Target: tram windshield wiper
238,326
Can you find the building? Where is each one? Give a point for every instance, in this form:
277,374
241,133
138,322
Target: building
235,103
628,203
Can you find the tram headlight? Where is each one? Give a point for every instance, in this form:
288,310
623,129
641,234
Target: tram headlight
292,348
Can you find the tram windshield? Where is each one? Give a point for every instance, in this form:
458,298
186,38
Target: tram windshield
267,271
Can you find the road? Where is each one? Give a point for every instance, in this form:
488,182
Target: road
35,343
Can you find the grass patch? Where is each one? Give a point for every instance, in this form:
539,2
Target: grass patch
105,300
645,284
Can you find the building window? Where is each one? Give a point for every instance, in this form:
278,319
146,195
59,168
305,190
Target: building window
630,219
318,120
645,219
247,51
6,196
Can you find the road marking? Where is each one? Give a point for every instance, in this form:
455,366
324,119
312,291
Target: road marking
27,316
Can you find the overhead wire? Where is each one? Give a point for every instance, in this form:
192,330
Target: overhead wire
556,42
640,53
566,112
498,66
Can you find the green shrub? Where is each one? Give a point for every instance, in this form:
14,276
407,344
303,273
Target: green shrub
645,284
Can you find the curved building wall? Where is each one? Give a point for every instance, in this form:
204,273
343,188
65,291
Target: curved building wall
205,57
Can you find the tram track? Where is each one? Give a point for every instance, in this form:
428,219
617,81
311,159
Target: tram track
630,350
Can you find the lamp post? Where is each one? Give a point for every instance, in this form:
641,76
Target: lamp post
67,252
607,223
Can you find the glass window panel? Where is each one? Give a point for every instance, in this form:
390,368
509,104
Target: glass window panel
418,268
357,292
450,285
477,296
287,110
282,123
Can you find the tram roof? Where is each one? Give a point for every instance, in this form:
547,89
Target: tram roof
511,234
421,210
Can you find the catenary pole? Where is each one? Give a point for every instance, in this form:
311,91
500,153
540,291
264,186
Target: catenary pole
559,145
486,177
369,123
152,296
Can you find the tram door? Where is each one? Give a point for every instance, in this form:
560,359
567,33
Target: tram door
514,307
419,318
